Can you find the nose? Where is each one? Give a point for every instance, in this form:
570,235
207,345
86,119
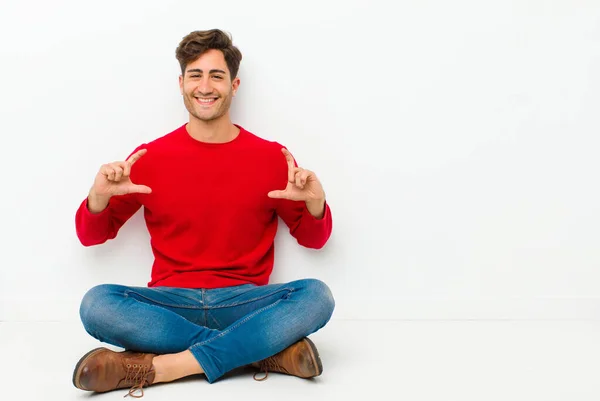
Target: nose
204,87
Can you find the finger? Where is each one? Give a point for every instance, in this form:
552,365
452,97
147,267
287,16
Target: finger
136,156
290,162
302,177
140,189
126,166
105,170
295,171
108,171
278,195
118,173
126,169
120,169
298,179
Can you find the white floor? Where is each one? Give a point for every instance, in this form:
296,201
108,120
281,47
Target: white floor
374,360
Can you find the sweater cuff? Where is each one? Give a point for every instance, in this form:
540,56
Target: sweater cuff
322,220
89,216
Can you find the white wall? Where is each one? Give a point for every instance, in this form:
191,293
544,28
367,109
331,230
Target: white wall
457,142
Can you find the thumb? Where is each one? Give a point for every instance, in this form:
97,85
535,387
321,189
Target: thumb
278,195
140,189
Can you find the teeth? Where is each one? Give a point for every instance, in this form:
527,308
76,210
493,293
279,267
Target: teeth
206,100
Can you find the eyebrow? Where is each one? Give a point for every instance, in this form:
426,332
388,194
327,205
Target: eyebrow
210,72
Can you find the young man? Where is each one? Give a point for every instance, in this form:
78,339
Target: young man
211,193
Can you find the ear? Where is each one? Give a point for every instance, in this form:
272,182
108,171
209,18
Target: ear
235,85
181,84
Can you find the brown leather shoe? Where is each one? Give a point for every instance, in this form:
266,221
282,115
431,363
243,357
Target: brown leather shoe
300,359
103,370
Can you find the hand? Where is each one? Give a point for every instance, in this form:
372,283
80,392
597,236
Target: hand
303,185
113,179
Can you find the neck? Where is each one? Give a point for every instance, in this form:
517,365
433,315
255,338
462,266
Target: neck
220,130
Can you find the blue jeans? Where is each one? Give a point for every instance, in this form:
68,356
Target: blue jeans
224,328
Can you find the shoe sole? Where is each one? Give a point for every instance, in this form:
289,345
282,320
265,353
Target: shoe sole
77,371
315,356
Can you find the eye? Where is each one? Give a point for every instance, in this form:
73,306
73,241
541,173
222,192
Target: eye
194,76
217,77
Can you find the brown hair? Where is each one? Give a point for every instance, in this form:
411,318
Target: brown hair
193,45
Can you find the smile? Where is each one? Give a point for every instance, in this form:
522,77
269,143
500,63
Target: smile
206,102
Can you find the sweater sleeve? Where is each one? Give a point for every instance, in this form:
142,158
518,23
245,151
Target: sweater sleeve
309,231
97,228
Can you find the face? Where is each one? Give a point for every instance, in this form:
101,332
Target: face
207,88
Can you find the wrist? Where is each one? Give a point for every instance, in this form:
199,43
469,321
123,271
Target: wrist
97,203
316,207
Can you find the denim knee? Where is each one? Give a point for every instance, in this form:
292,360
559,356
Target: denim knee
320,302
94,310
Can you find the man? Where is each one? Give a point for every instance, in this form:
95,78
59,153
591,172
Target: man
211,193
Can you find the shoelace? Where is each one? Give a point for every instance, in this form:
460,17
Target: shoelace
137,376
269,365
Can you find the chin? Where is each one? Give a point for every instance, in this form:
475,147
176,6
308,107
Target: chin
207,118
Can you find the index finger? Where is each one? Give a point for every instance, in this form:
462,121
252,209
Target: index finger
136,156
291,165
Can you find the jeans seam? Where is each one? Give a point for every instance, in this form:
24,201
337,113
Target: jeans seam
203,293
229,329
127,292
289,290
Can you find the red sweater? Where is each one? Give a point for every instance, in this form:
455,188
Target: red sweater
210,220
